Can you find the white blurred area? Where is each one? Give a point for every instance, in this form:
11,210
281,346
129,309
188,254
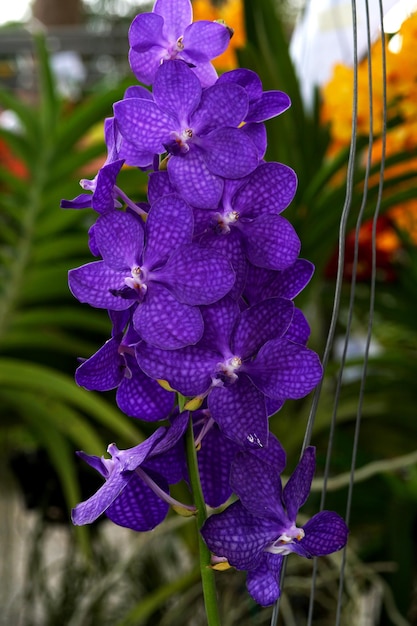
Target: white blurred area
323,36
19,10
16,11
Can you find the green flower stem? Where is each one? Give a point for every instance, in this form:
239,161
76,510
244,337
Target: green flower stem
207,573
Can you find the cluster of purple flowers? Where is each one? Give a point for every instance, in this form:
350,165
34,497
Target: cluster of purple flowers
199,285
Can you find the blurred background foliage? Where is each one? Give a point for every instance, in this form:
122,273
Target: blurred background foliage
45,417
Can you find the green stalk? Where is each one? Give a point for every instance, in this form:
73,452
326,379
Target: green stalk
207,573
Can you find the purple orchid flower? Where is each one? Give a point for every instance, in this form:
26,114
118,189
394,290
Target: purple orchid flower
288,283
106,195
247,225
257,531
216,453
156,270
168,33
242,363
136,489
263,105
114,366
198,128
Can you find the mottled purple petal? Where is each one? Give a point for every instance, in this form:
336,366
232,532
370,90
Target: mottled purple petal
91,283
230,246
299,329
83,201
283,369
146,31
287,283
142,397
119,237
263,582
265,500
194,181
297,489
166,323
206,73
177,91
96,462
177,15
238,536
103,370
219,320
119,320
138,91
221,105
247,79
229,153
269,189
197,275
187,370
145,64
138,507
260,323
134,156
270,104
132,458
239,409
257,134
204,40
172,435
103,198
159,185
142,123
88,511
214,460
325,533
271,242
168,226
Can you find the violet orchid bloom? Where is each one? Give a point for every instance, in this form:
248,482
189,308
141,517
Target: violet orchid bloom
114,366
132,154
168,33
216,453
136,489
197,128
262,284
257,531
247,225
104,196
263,105
242,362
156,270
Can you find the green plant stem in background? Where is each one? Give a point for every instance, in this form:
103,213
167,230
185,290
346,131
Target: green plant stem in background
207,573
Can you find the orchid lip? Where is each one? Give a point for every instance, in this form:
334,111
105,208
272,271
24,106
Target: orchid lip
137,280
223,221
226,371
284,541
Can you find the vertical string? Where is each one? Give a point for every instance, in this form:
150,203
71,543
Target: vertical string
371,310
337,296
336,302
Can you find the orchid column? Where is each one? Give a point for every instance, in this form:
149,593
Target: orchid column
199,285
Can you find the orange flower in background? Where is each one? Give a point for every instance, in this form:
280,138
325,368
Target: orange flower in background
10,162
401,87
231,12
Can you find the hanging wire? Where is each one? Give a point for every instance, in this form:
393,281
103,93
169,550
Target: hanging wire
371,297
337,296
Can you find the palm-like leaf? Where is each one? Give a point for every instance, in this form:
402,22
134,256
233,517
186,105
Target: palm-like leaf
42,328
